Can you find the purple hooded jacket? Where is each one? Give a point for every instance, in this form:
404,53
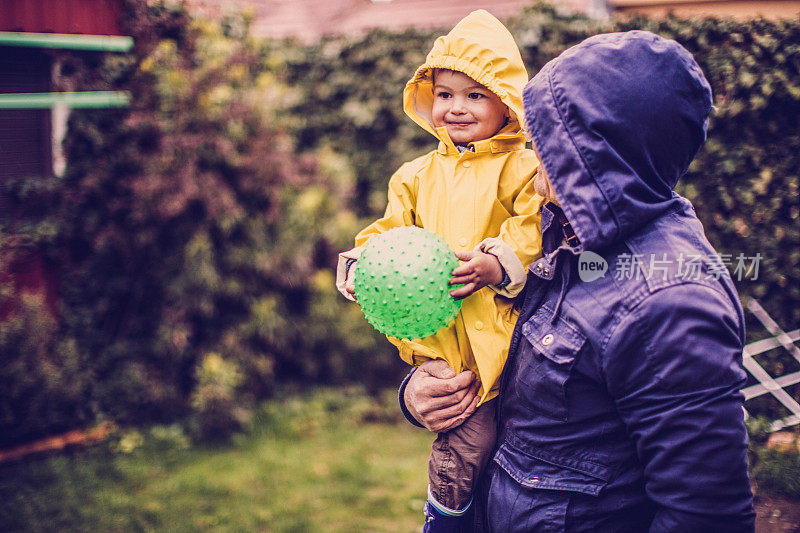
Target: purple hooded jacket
620,407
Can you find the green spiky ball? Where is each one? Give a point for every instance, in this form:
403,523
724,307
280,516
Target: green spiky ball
401,283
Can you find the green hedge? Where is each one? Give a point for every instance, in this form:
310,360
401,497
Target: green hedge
195,234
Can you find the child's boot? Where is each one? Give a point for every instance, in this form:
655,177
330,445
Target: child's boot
440,519
436,522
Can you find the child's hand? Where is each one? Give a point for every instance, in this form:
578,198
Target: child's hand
480,270
349,283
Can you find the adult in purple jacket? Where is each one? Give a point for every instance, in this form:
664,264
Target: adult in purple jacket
620,408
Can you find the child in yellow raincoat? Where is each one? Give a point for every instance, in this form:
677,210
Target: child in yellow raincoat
475,191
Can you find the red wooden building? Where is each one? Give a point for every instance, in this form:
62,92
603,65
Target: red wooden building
31,34
33,117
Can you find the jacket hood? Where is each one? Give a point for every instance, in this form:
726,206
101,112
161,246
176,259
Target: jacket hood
616,121
483,49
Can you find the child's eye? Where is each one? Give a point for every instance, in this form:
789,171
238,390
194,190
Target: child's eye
443,94
475,96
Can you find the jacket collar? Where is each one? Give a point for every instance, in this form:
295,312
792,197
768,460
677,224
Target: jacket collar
557,236
502,142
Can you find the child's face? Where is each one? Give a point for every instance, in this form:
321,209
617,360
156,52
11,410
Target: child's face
468,110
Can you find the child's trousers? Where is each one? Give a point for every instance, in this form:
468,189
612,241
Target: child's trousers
459,456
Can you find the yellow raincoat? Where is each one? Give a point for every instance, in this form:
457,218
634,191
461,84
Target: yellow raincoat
482,200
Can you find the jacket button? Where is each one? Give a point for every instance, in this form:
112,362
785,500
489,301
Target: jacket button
467,164
479,325
548,339
462,241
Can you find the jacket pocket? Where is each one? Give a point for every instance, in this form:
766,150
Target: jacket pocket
534,490
540,469
546,358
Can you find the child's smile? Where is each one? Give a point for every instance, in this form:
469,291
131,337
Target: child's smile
468,110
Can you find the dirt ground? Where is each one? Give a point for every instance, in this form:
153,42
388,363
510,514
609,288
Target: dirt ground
777,515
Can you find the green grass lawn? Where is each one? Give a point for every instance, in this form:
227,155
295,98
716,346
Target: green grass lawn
334,460
331,461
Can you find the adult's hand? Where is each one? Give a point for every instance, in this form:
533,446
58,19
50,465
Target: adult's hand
440,399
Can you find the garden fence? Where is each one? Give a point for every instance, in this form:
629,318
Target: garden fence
776,386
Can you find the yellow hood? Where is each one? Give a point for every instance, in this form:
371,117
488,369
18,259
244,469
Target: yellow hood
483,49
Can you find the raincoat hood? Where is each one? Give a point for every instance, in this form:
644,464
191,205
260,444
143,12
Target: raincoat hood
616,121
483,49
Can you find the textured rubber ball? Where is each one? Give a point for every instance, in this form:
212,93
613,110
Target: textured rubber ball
404,297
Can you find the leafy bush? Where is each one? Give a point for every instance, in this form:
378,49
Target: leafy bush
216,416
205,227
758,429
775,472
44,385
